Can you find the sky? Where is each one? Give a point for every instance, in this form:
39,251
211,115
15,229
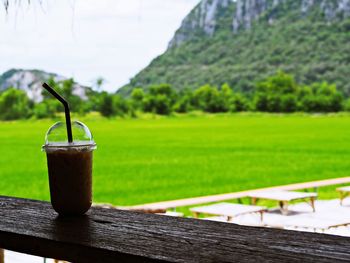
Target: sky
87,39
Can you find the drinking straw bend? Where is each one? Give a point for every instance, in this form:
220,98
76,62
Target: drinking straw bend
66,110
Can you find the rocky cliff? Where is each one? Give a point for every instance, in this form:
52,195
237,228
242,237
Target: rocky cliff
203,20
30,81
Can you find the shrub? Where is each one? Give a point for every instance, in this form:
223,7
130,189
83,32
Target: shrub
106,107
14,104
207,98
289,103
159,104
346,105
137,96
280,83
183,104
322,97
121,107
239,103
45,109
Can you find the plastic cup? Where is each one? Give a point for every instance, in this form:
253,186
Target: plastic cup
70,168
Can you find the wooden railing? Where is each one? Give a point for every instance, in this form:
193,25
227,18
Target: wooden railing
110,235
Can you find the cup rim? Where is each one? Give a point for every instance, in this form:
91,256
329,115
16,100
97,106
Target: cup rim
66,145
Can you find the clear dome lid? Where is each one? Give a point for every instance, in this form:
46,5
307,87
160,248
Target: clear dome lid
56,137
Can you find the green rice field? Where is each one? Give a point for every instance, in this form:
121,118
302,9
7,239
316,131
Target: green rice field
154,159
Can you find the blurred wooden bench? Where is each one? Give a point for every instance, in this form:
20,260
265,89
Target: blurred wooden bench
343,192
283,198
228,210
237,195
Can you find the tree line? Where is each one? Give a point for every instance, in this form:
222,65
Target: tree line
277,93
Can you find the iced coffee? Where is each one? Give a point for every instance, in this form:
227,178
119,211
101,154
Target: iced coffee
70,170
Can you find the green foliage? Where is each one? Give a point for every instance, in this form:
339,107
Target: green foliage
185,101
106,106
137,95
280,83
113,105
121,107
277,93
304,45
225,97
183,104
289,103
209,99
160,99
14,104
280,93
239,102
159,104
322,97
346,105
46,109
65,88
98,83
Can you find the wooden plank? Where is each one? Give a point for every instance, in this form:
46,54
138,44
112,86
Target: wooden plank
228,209
281,195
344,189
110,235
230,196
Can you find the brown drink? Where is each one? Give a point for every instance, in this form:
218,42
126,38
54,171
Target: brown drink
70,178
69,164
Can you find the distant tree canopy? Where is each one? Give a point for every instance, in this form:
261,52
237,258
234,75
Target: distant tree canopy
277,93
14,104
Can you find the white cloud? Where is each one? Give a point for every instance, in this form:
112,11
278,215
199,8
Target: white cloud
89,38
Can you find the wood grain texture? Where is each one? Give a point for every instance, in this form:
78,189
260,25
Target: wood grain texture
108,235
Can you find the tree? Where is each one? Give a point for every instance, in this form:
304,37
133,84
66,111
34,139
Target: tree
67,88
289,103
321,97
137,96
226,96
159,104
163,89
46,109
184,102
277,93
238,102
120,105
207,98
106,106
280,83
14,104
160,99
98,83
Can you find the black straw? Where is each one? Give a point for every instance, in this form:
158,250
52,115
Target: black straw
66,110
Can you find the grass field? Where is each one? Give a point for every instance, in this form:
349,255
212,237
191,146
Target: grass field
147,160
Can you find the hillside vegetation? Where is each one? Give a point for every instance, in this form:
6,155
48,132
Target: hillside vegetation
277,93
313,45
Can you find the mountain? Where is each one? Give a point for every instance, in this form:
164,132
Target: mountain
30,81
243,41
